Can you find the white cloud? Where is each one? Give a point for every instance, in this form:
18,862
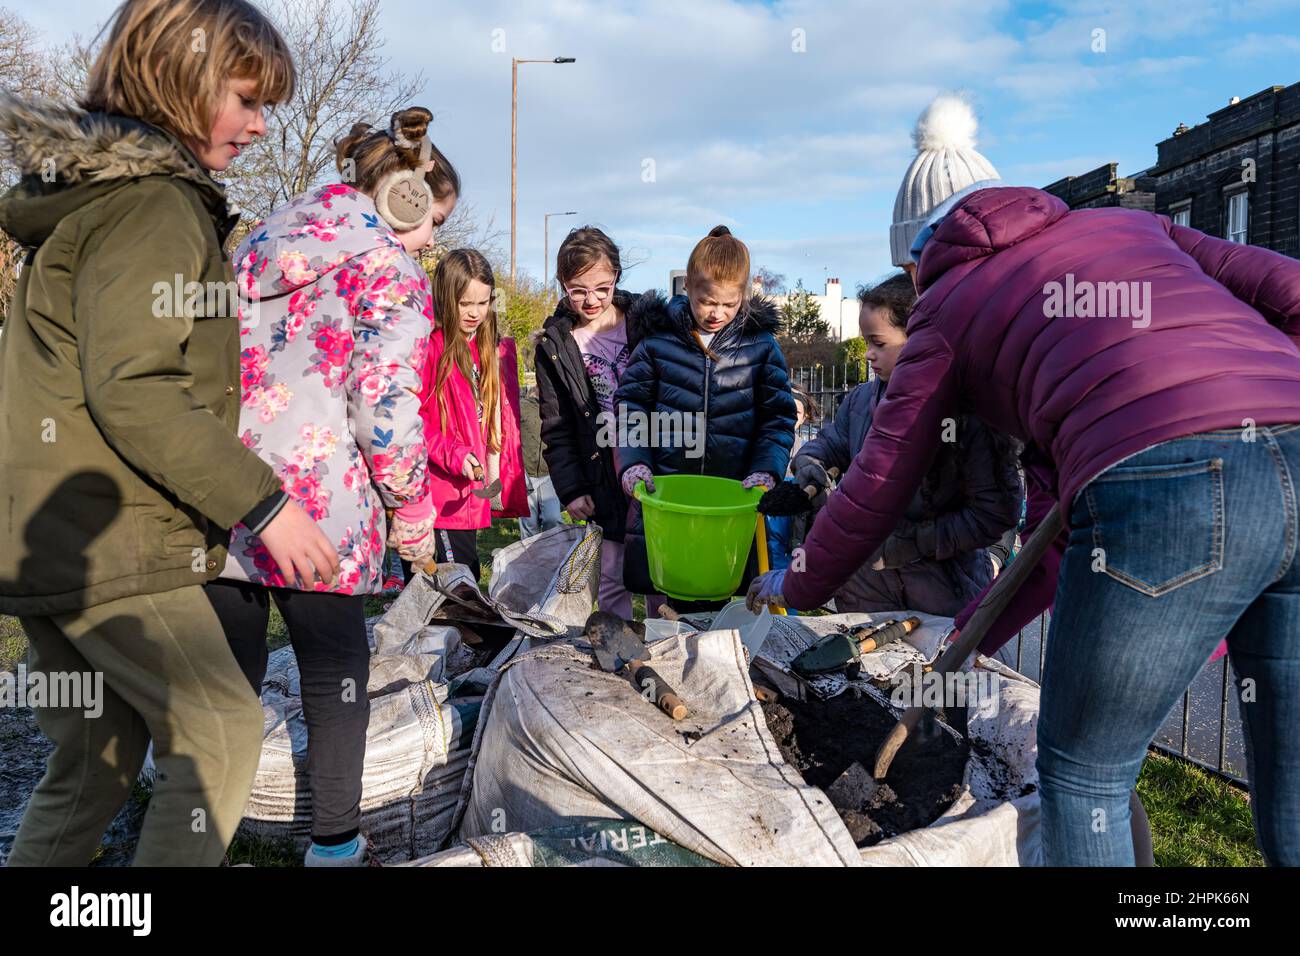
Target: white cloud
745,131
1254,45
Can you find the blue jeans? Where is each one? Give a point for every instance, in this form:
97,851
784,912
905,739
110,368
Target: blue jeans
1170,551
543,505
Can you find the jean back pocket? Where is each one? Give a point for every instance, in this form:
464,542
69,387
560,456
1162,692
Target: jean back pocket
1158,527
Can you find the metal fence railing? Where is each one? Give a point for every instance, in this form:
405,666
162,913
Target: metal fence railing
827,384
1204,728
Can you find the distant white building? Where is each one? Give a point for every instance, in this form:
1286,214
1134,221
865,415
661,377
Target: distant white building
838,311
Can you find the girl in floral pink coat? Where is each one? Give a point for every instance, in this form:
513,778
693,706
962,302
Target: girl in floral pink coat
335,322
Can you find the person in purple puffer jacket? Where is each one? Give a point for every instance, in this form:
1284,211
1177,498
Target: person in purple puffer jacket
1153,373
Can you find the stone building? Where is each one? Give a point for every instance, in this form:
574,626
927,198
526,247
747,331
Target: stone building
1236,176
1103,186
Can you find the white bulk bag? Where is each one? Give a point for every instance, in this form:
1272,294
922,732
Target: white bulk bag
563,740
417,750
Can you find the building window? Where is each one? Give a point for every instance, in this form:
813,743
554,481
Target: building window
1181,213
1238,216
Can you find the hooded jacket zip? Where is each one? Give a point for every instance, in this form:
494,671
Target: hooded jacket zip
704,426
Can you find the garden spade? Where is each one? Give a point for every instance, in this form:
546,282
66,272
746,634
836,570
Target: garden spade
619,651
993,604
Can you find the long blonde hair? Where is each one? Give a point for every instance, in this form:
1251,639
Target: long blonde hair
451,278
153,68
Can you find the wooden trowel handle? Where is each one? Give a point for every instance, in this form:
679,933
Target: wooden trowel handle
891,632
646,678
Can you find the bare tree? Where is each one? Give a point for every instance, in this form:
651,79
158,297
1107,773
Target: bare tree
343,78
22,65
772,283
69,65
462,230
23,71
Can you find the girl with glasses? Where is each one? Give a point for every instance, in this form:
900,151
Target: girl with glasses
582,353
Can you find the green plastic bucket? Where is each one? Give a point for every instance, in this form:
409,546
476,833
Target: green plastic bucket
698,532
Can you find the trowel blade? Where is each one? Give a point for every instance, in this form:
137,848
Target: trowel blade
831,653
491,491
611,642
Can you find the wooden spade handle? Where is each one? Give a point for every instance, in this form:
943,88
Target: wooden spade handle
994,602
811,490
665,697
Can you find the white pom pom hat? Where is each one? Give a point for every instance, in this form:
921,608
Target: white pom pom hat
946,163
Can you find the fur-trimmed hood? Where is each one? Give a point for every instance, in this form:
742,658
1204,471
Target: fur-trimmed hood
674,316
68,157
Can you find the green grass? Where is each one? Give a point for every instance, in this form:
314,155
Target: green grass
501,533
13,643
1197,819
262,852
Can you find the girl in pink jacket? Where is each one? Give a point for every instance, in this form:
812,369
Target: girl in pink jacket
470,407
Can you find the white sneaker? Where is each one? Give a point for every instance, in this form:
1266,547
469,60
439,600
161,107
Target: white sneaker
356,858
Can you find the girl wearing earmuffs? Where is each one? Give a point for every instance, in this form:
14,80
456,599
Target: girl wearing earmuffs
335,321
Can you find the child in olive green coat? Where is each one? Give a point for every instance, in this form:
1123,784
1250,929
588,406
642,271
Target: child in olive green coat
119,464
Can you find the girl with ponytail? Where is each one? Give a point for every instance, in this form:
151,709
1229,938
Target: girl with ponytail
709,358
335,321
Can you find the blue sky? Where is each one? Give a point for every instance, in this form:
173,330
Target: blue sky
800,153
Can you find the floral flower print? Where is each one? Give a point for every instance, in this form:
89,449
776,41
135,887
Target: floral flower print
333,350
295,268
329,378
324,228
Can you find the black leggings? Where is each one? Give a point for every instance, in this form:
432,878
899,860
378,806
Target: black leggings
328,633
458,545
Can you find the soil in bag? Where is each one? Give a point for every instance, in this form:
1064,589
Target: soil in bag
824,738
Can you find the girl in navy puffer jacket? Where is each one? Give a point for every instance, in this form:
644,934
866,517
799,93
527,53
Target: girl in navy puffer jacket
710,365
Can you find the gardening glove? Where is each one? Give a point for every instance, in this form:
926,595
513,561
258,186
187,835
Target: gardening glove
765,590
810,471
759,479
638,473
410,532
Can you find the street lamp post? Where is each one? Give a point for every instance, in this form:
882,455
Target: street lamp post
514,148
546,247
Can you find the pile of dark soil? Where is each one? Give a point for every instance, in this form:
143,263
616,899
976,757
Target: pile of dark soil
824,738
